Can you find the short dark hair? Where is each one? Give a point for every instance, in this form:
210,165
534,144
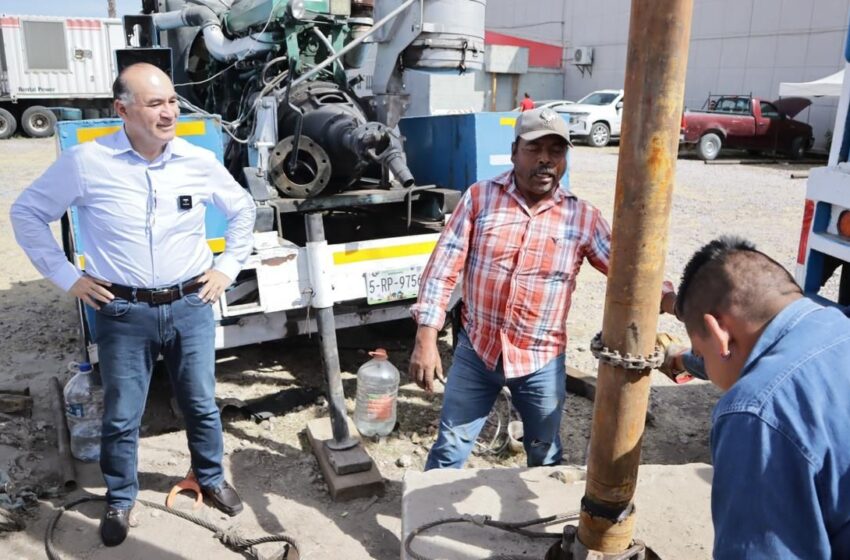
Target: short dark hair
120,91
729,272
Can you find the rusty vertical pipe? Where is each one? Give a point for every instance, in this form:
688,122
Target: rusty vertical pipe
659,34
67,473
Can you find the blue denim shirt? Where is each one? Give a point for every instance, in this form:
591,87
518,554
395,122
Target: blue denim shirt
780,443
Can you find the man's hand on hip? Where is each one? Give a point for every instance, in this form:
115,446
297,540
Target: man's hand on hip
425,363
215,283
92,291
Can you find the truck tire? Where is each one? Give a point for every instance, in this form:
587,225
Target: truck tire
798,148
8,124
709,146
599,135
91,114
38,122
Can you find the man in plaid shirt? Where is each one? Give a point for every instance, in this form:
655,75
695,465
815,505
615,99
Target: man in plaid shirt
519,239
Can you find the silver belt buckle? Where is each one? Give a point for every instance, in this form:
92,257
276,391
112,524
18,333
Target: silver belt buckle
163,295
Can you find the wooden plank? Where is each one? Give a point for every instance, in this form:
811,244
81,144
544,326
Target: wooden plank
584,385
581,383
12,403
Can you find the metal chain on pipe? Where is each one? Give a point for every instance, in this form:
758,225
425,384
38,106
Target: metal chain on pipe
518,528
227,537
627,361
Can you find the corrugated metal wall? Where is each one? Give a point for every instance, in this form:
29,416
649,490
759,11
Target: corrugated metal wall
88,69
737,46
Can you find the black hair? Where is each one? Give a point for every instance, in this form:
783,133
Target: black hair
120,91
729,271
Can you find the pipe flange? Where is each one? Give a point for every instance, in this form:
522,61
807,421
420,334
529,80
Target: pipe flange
628,361
310,177
571,548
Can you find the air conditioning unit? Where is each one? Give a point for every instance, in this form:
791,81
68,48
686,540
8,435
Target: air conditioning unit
583,56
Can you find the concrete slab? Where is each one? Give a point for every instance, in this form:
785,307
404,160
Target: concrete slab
673,505
347,486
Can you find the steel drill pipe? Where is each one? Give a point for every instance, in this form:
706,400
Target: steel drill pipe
659,34
67,472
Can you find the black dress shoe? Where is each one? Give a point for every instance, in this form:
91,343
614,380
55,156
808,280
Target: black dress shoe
224,498
115,525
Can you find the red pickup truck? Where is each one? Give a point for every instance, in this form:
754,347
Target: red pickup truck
746,122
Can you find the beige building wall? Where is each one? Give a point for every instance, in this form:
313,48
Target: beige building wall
737,46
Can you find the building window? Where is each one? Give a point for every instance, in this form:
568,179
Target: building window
44,43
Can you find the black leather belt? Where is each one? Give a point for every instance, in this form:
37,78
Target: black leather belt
156,296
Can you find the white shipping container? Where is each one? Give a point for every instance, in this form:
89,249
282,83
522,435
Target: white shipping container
43,57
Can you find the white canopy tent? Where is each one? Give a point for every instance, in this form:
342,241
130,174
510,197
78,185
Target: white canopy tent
828,86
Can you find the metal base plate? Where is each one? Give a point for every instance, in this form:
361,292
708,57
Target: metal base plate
342,486
348,461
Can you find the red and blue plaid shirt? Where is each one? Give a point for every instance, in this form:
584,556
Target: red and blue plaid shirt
519,268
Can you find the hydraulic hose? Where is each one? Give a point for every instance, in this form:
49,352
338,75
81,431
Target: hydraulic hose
220,47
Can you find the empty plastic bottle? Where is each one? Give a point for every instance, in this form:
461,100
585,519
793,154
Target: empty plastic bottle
377,392
84,412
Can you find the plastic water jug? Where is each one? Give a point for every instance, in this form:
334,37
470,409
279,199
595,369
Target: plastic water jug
377,392
84,412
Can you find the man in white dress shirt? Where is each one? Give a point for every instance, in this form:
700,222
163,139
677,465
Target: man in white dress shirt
141,195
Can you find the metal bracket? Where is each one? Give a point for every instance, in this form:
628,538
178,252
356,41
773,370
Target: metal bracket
264,136
257,184
627,361
350,460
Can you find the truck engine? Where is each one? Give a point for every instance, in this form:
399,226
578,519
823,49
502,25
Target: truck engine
280,73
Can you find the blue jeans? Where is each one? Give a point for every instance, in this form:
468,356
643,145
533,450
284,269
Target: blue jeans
471,391
130,336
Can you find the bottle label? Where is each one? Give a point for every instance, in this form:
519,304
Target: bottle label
379,407
75,409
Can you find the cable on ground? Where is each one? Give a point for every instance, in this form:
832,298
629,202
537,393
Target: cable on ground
519,528
227,537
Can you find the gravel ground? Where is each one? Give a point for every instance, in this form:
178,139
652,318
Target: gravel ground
270,462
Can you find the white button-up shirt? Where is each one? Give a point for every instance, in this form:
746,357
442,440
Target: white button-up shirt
132,228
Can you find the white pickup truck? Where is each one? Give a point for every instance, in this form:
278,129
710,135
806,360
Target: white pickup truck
596,117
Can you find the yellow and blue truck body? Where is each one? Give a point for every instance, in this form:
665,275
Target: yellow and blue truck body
372,281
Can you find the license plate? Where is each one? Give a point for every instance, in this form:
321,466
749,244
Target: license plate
392,285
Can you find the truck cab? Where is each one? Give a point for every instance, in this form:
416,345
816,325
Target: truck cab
749,123
596,117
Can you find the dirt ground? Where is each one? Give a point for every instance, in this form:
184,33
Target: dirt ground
270,462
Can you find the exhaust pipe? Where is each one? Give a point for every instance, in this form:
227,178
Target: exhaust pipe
220,47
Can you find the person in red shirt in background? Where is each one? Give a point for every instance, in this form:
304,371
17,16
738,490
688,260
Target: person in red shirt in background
527,104
519,240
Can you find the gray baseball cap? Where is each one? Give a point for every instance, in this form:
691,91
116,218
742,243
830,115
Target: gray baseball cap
537,123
